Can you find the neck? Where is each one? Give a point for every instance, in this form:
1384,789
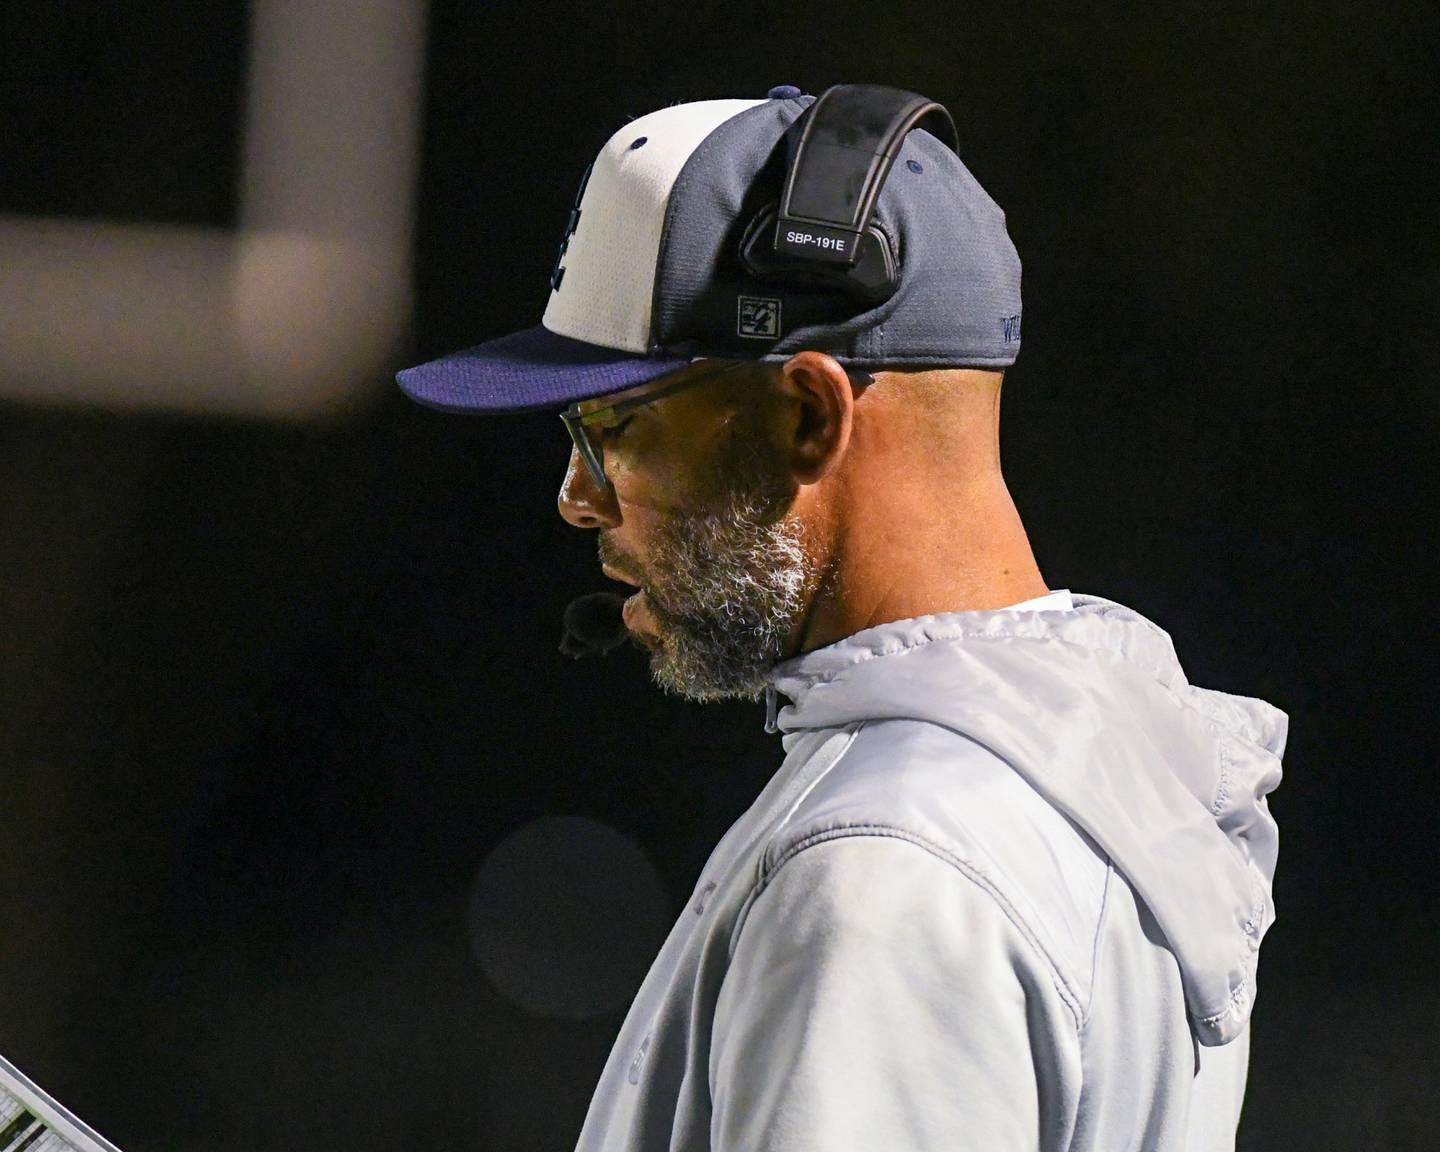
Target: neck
902,561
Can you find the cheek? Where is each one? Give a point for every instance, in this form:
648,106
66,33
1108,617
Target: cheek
670,467
651,477
632,542
654,508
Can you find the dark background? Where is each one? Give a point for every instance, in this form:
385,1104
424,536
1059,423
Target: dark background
270,695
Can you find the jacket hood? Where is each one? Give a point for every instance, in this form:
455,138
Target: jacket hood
1092,707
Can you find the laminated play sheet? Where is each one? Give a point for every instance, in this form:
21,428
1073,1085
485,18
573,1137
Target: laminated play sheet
31,1121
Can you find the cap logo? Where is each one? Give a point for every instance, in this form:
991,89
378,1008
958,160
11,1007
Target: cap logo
1010,326
758,317
557,273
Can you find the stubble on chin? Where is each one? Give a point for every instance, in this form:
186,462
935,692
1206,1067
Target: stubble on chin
728,584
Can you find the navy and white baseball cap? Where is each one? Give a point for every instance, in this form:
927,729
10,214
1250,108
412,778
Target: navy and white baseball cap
649,276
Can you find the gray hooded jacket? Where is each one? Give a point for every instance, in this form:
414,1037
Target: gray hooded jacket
1006,891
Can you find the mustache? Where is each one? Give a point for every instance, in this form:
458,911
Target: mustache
611,557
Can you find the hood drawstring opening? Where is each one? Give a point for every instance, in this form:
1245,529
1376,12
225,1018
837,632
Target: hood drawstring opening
770,709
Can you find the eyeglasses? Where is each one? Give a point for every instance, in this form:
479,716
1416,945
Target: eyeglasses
607,411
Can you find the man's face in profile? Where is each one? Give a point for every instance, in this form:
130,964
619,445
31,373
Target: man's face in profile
698,516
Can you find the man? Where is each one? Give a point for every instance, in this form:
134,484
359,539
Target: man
1007,889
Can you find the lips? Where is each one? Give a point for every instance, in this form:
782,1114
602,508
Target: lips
614,575
635,611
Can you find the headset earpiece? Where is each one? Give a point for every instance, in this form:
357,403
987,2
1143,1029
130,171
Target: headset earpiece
871,279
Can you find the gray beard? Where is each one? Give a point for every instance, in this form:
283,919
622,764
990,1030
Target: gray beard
728,584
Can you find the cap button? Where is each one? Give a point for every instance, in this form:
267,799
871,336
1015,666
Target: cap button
783,92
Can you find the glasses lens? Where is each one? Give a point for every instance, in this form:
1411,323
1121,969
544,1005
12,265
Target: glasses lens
587,445
595,456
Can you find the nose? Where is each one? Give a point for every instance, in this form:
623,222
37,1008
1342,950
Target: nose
581,503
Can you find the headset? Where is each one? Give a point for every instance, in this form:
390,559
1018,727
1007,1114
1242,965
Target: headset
838,153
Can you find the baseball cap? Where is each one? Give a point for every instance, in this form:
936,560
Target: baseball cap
650,276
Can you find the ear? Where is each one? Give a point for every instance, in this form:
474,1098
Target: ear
820,406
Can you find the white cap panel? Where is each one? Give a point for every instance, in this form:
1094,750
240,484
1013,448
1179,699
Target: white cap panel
606,290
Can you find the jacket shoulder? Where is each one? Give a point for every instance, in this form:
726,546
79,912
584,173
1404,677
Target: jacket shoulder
959,800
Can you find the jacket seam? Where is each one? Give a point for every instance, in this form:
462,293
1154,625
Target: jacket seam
901,647
1095,949
795,804
964,867
810,787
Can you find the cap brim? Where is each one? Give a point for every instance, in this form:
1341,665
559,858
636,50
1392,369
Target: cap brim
529,369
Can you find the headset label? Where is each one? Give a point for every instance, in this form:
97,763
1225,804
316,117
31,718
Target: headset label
815,241
758,317
824,243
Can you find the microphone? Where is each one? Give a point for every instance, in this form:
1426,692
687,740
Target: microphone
593,625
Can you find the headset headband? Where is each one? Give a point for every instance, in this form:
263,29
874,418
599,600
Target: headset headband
838,153
849,141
